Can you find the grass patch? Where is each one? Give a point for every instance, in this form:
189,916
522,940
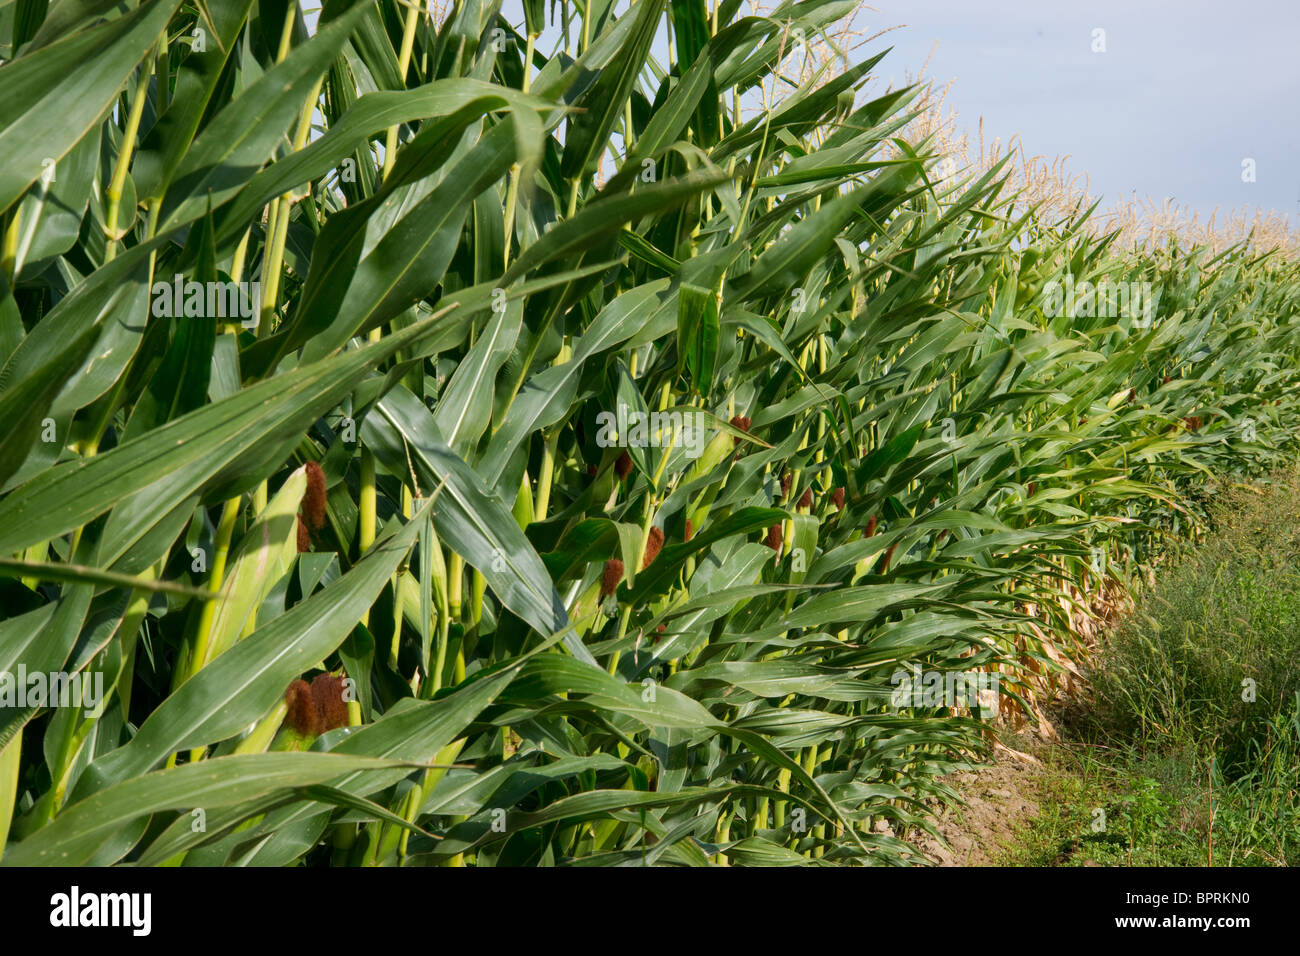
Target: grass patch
1189,753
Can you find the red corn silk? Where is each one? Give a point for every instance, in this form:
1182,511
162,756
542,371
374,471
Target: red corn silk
889,556
610,578
314,499
623,467
652,547
301,715
327,695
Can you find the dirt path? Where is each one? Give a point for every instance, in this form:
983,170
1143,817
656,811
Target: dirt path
1002,799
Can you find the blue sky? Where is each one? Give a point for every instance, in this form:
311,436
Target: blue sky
1185,90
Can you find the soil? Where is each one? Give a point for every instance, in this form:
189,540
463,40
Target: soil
1002,799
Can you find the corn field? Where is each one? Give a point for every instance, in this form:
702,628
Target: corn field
436,441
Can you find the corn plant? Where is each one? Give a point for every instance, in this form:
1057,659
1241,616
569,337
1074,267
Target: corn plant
313,328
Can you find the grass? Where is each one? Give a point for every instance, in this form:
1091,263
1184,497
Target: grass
1187,772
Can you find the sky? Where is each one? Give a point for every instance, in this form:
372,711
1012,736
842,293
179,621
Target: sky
1184,92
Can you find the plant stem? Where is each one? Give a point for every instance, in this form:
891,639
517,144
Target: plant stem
221,551
366,507
9,246
403,66
545,476
281,210
115,186
397,591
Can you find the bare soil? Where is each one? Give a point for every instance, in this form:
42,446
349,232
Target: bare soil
1002,798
